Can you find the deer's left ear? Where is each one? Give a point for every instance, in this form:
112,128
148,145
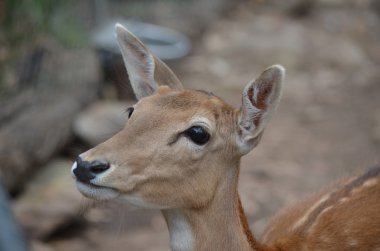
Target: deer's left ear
146,72
260,100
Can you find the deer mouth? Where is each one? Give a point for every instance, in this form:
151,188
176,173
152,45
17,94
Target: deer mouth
96,192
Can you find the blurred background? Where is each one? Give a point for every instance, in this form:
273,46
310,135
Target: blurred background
63,89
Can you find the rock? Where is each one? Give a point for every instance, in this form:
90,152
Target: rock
100,121
73,244
343,3
50,200
376,126
36,119
39,246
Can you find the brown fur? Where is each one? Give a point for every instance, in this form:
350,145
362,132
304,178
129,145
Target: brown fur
346,220
255,245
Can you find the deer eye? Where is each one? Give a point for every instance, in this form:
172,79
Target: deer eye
198,135
130,111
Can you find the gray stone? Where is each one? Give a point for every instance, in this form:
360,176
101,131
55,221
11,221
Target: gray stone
376,126
35,121
101,120
39,246
50,200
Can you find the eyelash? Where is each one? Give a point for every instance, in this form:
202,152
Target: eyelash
130,111
191,135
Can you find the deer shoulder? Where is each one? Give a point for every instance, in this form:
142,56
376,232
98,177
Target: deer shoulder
341,217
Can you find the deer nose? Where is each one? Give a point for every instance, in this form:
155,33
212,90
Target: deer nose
87,170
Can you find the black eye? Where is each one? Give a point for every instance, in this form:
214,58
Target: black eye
198,135
130,111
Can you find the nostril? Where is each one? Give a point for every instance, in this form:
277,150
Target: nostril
81,171
87,170
97,167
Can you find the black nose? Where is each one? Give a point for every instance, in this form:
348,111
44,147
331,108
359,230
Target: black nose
86,170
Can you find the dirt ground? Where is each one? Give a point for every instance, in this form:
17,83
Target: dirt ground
327,126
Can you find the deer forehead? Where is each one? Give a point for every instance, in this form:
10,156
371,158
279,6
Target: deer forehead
171,109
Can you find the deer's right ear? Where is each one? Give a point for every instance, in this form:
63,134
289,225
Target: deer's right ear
146,72
260,100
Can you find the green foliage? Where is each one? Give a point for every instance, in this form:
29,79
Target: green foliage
25,20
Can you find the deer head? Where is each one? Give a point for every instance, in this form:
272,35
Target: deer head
177,145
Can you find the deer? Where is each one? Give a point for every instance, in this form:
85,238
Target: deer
180,152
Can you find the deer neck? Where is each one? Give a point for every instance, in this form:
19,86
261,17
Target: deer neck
221,225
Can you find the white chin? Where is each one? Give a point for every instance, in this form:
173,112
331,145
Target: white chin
97,192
